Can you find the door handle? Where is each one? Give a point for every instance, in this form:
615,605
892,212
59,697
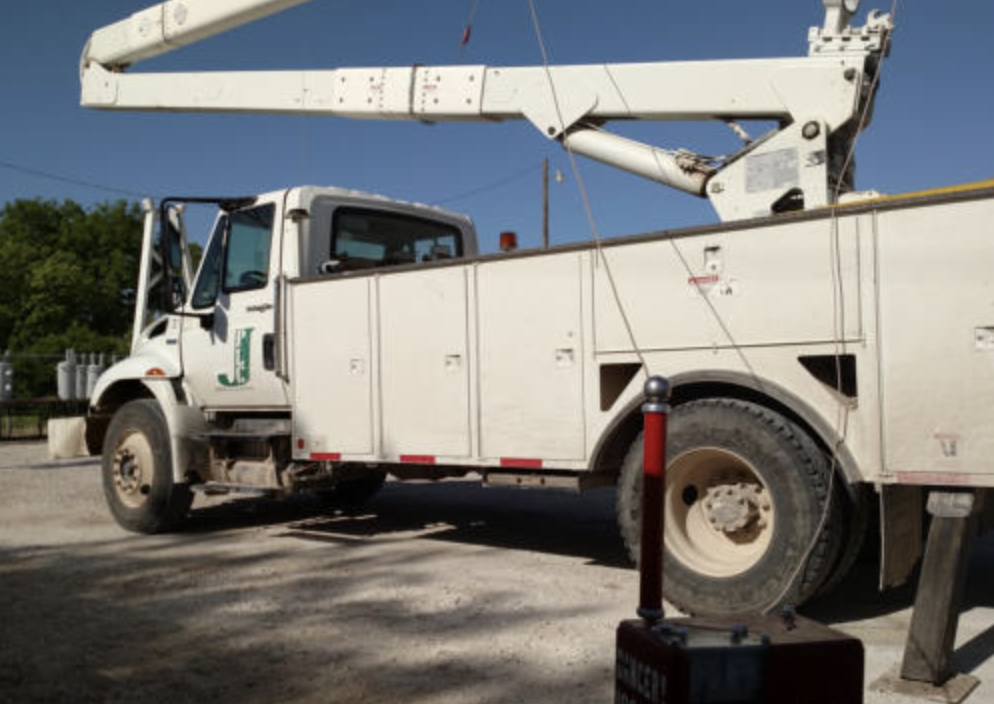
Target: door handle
268,352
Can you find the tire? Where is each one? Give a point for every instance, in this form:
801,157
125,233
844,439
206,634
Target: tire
351,494
137,471
856,515
746,492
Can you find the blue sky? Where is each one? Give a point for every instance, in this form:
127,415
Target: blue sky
932,125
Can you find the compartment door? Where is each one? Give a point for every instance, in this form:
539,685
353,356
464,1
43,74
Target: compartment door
331,373
531,358
424,349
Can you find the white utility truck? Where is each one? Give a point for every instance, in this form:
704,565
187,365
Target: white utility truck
827,349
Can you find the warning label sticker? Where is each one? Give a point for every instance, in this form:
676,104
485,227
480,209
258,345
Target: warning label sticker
774,170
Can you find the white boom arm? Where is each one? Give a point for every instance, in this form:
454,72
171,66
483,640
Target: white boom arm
817,100
170,25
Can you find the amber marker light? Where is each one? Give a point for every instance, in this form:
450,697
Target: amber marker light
508,241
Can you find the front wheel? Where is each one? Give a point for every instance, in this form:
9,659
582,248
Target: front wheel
748,524
137,471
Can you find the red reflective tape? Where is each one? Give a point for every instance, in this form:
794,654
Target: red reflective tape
520,463
418,459
326,456
934,478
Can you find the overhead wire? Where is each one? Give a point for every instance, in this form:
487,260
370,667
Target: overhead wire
69,179
11,354
584,198
726,331
503,181
838,290
839,319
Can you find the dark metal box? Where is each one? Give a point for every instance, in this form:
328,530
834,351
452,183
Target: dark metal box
737,660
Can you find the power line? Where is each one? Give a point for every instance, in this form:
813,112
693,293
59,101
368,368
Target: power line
490,186
113,189
10,354
29,355
68,179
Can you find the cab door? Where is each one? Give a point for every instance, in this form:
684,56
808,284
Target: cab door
228,351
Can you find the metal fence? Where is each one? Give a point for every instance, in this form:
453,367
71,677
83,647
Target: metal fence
27,419
75,376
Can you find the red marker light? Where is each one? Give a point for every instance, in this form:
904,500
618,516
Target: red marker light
508,241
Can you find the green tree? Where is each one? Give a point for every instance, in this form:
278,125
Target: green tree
64,279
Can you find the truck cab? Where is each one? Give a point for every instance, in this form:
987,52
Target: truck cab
211,349
230,322
226,317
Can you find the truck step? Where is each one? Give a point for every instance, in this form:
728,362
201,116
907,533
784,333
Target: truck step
225,488
238,435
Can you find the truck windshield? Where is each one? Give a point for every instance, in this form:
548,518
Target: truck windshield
363,239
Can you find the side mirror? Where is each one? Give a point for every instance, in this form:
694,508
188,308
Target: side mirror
206,321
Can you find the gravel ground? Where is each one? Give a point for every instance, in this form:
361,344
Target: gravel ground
437,593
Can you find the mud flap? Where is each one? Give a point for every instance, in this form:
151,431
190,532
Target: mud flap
901,541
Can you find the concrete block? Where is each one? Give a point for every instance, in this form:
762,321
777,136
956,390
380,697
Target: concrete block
67,438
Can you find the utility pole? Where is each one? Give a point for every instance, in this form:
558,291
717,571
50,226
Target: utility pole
545,203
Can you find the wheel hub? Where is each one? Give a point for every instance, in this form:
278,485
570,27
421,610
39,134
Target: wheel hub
733,507
132,470
719,513
128,474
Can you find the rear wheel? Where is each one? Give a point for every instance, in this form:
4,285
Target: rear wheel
137,471
746,494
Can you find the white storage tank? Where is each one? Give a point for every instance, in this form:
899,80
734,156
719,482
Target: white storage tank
66,377
93,371
80,392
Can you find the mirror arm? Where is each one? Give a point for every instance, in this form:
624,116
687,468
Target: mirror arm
206,319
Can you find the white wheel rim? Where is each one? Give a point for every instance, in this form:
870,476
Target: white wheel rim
719,514
132,469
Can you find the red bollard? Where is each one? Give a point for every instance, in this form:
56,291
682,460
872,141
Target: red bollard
743,658
654,410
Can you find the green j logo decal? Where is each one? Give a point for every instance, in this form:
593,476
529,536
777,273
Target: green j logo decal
242,369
